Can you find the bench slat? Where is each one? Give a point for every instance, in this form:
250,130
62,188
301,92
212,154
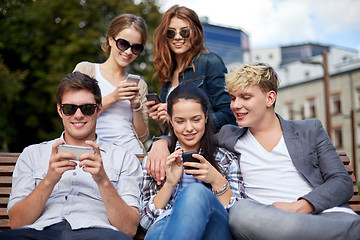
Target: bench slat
5,191
349,169
4,224
5,180
3,212
4,201
7,170
356,208
355,199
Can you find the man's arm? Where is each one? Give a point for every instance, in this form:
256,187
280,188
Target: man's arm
300,206
122,216
156,158
336,186
19,214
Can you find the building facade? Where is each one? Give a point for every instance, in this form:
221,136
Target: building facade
231,44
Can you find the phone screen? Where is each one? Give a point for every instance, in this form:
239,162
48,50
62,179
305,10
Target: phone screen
153,97
187,157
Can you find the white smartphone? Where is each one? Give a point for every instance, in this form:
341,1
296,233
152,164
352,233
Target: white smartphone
133,78
76,150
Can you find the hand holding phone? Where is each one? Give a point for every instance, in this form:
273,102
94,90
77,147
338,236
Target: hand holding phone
133,78
153,97
187,157
76,150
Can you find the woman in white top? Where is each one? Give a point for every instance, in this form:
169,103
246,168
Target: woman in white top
124,120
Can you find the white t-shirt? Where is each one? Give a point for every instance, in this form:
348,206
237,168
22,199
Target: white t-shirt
115,123
271,176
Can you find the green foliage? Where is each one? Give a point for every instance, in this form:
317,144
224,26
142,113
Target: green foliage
40,42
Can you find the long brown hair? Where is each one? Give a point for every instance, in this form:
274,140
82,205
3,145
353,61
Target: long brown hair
188,91
164,59
122,22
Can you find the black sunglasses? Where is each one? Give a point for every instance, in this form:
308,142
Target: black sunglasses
86,109
123,45
184,33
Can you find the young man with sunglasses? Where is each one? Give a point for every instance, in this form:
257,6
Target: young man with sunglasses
296,184
94,196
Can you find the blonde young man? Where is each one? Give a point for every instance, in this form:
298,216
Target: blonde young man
94,197
296,184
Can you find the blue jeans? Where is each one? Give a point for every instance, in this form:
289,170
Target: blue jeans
196,214
62,231
251,220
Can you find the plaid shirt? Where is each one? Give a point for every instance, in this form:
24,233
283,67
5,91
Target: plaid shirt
227,160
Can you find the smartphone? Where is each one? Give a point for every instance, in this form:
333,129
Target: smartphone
76,150
153,97
187,157
133,78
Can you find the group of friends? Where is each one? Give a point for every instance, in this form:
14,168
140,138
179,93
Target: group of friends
252,174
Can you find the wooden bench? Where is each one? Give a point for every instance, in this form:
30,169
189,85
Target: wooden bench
8,160
354,202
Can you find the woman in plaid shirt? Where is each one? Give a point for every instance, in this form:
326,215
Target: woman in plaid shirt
191,202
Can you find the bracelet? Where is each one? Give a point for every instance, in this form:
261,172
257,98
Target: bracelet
222,190
138,109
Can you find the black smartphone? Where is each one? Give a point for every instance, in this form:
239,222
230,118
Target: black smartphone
187,157
153,97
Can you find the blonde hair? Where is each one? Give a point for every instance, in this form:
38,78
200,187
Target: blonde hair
248,74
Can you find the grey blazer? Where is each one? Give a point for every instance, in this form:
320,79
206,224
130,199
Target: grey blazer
314,156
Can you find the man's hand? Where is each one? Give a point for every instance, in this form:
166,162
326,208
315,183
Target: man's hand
59,163
93,164
300,206
156,159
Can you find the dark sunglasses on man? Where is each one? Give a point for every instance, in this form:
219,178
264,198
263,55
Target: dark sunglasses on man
86,109
184,33
123,45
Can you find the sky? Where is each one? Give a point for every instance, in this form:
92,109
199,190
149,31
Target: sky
271,23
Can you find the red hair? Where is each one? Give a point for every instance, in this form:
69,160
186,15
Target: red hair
164,59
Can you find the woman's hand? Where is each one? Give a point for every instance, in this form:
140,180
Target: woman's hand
204,172
135,103
174,168
158,112
125,91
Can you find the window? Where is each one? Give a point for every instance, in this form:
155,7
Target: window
358,134
306,74
338,137
257,58
310,108
357,100
289,112
336,103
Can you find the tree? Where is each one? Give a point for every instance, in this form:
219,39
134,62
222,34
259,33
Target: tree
40,42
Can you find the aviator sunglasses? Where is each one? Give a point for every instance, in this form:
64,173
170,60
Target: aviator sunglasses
123,45
86,109
184,33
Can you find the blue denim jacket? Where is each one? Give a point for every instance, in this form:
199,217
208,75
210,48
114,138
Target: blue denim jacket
209,75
